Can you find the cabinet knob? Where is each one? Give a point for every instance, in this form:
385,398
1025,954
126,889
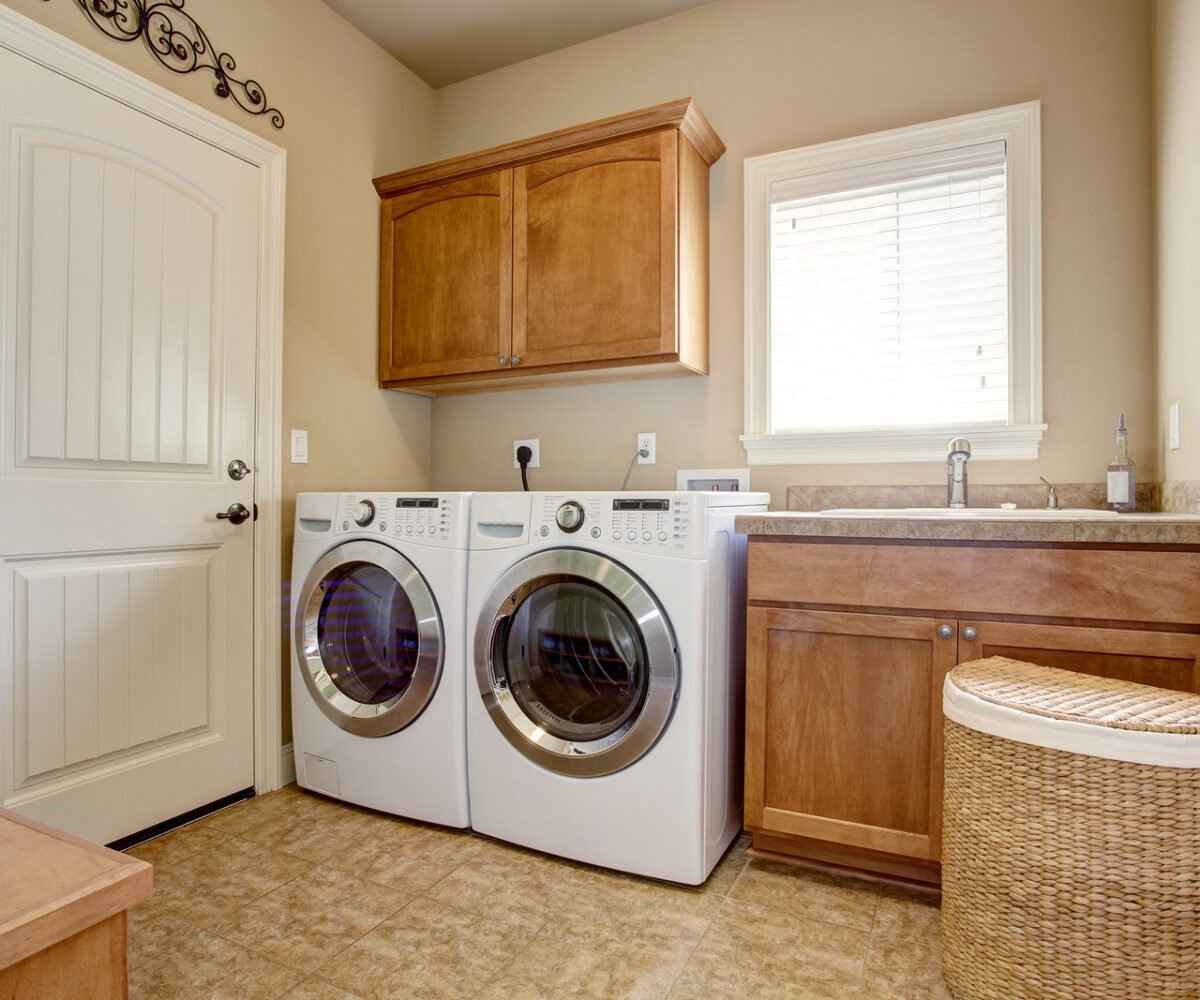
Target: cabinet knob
946,631
970,633
503,359
516,359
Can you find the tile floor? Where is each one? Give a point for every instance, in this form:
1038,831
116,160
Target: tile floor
293,896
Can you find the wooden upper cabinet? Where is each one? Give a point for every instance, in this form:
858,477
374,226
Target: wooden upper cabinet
445,281
581,251
595,253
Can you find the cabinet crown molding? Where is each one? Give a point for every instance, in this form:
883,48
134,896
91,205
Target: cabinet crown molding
681,114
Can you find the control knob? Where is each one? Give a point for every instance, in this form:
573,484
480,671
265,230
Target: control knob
570,516
364,513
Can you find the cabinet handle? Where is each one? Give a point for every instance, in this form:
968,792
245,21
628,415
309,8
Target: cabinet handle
946,631
516,359
503,359
970,633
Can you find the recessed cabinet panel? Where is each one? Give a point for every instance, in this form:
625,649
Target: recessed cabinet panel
446,278
595,253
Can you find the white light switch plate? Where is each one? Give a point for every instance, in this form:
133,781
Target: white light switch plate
534,445
647,441
1173,427
299,447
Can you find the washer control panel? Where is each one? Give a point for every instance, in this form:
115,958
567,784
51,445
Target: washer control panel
663,523
407,516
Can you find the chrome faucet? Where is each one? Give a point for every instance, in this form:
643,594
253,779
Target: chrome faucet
1052,495
956,473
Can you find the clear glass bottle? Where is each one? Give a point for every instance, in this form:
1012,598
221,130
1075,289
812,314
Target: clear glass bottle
1122,476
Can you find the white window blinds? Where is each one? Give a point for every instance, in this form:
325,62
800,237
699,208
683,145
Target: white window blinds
889,294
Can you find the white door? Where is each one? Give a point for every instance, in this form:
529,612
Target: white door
128,311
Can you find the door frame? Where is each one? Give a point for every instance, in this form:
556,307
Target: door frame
42,45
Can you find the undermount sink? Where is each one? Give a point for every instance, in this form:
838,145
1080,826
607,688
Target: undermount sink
976,513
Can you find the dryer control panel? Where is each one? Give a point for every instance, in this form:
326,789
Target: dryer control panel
650,523
430,519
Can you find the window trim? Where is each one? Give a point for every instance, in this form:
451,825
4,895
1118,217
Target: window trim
1019,127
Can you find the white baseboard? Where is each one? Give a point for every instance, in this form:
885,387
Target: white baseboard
287,765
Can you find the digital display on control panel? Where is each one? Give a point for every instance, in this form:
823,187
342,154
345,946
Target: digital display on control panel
661,505
417,503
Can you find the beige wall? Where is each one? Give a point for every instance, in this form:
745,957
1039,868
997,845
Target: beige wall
1177,127
775,74
352,112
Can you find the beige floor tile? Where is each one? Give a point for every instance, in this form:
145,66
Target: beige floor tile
803,892
316,989
177,845
726,873
753,951
906,946
172,960
256,979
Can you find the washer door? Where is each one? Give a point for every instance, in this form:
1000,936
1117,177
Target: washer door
369,638
576,662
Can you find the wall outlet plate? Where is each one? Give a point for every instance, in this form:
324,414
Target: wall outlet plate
534,445
1173,430
647,441
299,447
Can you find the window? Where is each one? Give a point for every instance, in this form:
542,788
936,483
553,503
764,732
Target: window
893,294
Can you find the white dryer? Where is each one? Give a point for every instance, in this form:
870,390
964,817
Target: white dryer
378,600
604,711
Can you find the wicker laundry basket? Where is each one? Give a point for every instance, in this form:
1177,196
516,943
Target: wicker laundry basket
1071,851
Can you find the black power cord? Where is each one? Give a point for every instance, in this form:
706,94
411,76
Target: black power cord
524,457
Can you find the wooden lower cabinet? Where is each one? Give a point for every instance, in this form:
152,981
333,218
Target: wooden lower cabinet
844,709
844,728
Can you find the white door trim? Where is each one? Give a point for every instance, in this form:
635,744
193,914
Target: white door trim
27,38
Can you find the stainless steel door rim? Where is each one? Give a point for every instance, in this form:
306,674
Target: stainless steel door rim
636,736
395,713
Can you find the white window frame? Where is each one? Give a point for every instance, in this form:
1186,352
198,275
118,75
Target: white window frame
1019,127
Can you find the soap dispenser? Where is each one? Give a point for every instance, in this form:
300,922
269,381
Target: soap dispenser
1122,479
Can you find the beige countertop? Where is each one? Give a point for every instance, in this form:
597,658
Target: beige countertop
980,526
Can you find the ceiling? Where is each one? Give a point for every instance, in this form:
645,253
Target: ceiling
447,41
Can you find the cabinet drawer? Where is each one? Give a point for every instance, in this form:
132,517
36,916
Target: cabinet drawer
1083,584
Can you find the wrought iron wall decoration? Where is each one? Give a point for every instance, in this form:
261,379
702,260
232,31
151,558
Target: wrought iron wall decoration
176,40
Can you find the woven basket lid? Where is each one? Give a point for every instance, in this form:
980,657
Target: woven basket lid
1079,713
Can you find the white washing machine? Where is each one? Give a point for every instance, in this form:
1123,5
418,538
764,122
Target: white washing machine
378,601
604,711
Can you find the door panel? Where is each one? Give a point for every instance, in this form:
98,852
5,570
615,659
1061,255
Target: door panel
1162,659
130,255
595,253
446,278
844,728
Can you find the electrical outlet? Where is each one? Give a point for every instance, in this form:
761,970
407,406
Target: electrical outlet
1173,433
533,445
647,442
299,447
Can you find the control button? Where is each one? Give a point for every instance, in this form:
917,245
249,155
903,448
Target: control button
345,526
646,536
662,536
408,529
364,513
616,536
544,531
596,532
420,529
570,516
383,526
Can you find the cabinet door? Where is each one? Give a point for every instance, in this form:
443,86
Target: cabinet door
445,290
844,728
1163,659
595,253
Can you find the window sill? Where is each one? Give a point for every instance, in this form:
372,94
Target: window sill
910,444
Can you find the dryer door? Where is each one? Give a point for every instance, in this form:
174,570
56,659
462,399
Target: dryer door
369,638
576,662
